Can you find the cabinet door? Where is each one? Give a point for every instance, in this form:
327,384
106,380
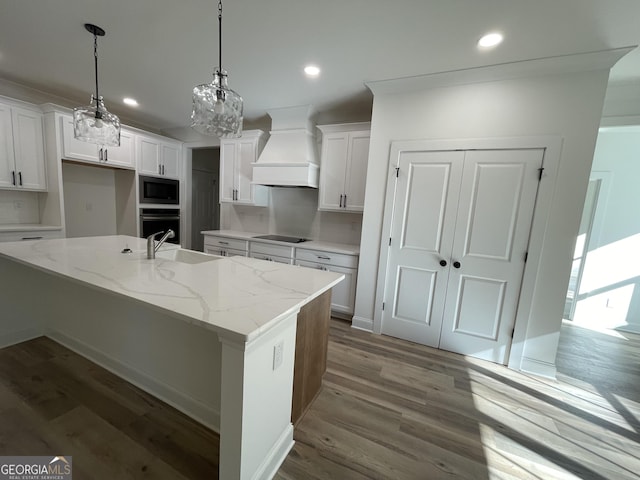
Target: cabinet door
122,156
28,144
73,149
7,162
227,171
246,155
148,156
333,171
170,159
356,174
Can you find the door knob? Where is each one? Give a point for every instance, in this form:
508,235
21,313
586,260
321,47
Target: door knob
443,263
456,264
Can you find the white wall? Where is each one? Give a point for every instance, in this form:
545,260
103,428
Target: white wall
89,200
293,211
609,296
563,105
18,207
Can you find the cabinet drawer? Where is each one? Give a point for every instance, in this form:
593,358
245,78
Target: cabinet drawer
29,235
271,250
327,258
224,252
272,258
226,243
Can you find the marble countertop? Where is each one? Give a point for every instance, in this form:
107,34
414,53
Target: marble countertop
238,297
309,244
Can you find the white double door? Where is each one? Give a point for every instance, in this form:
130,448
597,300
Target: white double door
459,235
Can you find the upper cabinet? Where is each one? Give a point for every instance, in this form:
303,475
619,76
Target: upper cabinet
22,164
236,157
343,166
72,149
158,157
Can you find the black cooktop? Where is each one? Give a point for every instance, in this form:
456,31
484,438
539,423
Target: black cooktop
281,238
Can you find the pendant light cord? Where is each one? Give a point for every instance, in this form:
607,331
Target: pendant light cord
220,35
95,61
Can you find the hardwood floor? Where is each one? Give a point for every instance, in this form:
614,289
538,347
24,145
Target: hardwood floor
389,409
395,410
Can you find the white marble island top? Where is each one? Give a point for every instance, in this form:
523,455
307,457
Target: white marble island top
235,296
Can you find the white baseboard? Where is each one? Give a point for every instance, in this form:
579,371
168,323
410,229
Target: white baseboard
542,369
362,323
186,404
11,338
276,455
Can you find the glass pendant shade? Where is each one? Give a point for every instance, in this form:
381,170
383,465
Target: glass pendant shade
94,124
217,110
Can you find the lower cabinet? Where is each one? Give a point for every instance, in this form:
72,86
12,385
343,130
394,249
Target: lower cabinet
343,295
225,247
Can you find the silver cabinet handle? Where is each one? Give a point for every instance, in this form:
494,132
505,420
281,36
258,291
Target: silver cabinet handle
345,201
31,238
341,195
106,155
159,170
163,169
322,257
100,155
20,177
13,177
223,243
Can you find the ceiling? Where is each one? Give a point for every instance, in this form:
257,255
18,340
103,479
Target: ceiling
157,50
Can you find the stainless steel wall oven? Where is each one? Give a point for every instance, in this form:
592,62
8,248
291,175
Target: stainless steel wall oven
153,220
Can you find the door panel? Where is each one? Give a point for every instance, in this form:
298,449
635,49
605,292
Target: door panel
426,193
427,185
478,307
414,294
495,209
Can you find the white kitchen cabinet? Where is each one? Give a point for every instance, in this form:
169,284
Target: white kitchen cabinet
343,295
271,252
236,171
22,164
157,157
225,247
343,166
73,149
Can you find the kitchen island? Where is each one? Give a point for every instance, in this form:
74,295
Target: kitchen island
215,337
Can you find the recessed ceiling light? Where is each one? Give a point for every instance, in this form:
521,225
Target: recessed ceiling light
490,40
311,71
132,102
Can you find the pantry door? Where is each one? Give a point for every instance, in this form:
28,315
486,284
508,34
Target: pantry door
459,233
426,199
497,198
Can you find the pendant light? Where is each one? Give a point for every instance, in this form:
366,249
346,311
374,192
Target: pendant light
217,110
93,123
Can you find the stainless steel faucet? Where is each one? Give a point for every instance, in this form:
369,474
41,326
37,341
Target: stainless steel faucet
152,246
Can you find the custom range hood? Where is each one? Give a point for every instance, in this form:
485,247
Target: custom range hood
289,158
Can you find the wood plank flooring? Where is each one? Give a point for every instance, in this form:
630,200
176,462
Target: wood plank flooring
389,409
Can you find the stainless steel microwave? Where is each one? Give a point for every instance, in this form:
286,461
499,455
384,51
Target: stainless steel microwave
163,191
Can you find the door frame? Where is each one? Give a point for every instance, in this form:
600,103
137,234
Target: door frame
185,199
552,146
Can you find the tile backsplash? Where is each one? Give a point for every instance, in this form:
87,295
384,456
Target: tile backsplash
293,211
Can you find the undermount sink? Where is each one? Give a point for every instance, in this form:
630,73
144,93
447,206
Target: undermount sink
185,256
